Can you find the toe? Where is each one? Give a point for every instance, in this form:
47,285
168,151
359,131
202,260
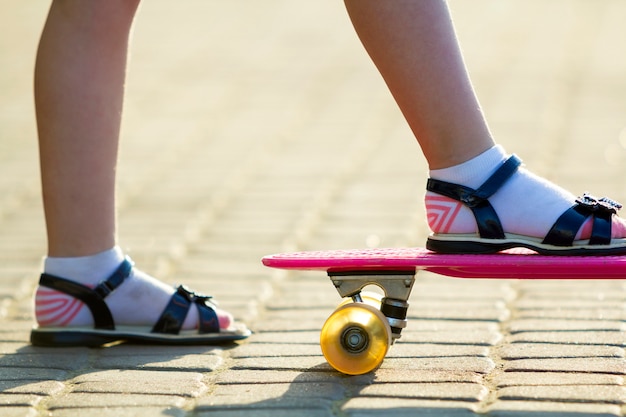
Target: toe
618,230
225,319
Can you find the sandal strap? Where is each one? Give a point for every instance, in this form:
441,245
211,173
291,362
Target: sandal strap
487,220
92,298
601,231
564,230
116,279
174,314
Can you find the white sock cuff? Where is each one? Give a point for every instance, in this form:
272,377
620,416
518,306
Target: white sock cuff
473,173
85,269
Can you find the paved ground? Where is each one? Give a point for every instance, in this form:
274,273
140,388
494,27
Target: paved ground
259,127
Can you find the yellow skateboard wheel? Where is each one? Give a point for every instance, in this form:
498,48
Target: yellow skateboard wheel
355,338
371,298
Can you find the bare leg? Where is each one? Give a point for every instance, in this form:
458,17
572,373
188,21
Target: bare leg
79,81
414,47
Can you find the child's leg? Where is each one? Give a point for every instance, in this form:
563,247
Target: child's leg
79,81
413,45
415,49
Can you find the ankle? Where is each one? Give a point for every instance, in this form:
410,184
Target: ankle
474,172
87,270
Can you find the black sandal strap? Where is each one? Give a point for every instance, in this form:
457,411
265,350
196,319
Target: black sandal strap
601,231
208,321
498,178
107,286
92,298
564,230
487,220
174,314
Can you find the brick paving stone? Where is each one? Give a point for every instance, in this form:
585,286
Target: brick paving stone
187,384
289,412
32,374
141,387
592,290
544,325
28,387
414,350
314,320
400,407
570,310
123,349
429,391
311,338
610,394
10,348
460,311
256,396
100,401
436,376
19,336
456,364
231,376
552,409
508,379
609,338
301,363
57,360
253,350
592,365
189,362
548,311
143,411
541,350
15,326
431,287
306,297
563,303
23,400
453,326
18,412
470,337
309,314
491,287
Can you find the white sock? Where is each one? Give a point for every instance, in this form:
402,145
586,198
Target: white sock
87,270
526,204
139,300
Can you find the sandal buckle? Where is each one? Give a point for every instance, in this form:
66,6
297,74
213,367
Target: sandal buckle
600,205
191,295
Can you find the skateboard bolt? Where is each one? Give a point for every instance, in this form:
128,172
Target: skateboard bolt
354,339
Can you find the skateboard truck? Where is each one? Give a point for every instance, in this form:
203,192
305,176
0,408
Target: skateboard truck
396,284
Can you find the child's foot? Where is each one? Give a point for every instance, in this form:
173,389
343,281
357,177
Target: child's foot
99,299
491,203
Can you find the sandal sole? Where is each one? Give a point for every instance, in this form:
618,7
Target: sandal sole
477,246
56,337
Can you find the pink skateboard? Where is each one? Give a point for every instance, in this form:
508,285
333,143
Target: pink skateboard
355,338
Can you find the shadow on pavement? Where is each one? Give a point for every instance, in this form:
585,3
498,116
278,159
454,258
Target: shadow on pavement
123,375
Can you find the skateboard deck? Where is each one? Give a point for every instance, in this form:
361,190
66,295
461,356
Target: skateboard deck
356,336
517,263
